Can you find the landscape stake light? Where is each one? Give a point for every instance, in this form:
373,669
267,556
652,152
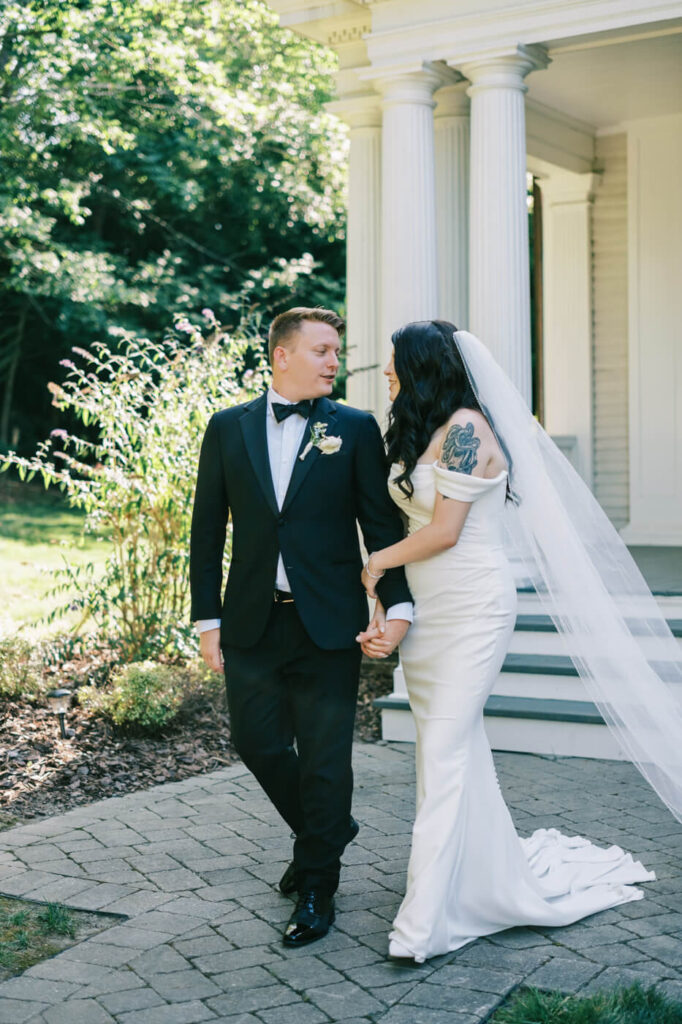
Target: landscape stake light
59,705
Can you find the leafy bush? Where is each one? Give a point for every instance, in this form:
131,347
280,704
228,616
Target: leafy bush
20,667
146,404
148,695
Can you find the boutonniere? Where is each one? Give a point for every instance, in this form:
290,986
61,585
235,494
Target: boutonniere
319,439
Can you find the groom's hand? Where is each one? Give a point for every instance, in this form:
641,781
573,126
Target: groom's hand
209,645
377,645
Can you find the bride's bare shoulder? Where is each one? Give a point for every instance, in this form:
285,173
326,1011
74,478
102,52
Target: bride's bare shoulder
469,422
468,443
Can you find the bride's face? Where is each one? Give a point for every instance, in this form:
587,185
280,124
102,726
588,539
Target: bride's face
393,382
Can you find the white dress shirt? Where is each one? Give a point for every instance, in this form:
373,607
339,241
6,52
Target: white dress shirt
284,440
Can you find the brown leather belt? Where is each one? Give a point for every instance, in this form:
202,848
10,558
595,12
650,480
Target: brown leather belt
283,597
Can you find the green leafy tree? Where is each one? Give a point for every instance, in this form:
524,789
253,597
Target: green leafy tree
146,404
158,157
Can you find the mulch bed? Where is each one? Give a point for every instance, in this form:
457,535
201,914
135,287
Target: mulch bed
42,775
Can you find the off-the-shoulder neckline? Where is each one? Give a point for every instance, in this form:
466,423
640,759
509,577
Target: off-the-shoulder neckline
456,472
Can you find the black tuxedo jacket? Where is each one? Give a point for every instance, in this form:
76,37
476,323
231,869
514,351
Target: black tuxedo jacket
315,530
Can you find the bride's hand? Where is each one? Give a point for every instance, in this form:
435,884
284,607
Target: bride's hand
382,646
375,629
368,583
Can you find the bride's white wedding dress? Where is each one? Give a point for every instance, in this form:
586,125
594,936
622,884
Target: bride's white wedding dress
470,874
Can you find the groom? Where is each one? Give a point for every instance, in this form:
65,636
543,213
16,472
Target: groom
295,471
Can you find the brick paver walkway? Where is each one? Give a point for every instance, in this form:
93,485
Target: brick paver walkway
191,868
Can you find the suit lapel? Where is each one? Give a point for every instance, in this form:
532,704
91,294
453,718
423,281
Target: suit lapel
253,428
323,412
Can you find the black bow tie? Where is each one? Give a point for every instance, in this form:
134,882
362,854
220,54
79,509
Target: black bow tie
303,408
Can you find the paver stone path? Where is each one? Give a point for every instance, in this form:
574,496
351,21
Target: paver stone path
191,866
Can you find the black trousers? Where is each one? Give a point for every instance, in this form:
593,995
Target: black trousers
286,690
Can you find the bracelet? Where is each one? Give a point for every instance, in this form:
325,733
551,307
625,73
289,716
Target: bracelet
373,575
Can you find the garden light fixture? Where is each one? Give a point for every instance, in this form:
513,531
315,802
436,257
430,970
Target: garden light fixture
58,701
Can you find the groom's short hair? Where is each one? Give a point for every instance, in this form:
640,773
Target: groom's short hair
287,323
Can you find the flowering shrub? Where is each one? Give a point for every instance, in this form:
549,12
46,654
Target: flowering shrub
147,695
20,668
144,405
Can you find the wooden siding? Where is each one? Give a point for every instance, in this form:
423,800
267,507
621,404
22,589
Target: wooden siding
610,332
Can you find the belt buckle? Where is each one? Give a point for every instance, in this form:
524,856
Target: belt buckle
281,599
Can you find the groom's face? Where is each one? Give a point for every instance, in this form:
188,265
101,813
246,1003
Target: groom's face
307,365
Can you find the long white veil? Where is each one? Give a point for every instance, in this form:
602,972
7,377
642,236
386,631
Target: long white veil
616,634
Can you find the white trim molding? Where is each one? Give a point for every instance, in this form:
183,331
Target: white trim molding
655,315
567,290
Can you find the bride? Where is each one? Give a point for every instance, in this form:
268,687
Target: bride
480,483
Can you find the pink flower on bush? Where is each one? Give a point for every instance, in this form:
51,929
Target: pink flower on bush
208,313
68,363
58,432
185,326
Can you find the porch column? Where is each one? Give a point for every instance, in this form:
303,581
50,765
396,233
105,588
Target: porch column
409,258
499,283
365,388
451,126
567,289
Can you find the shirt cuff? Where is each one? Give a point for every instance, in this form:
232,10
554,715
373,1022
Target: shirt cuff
203,625
401,611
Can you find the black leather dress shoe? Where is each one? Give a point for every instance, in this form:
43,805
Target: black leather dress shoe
287,883
311,919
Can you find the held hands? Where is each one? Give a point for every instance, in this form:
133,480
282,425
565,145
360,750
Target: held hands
381,637
209,646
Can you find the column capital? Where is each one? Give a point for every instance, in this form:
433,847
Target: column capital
504,69
362,111
412,85
569,189
452,100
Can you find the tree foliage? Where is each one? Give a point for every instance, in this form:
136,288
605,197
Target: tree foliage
158,157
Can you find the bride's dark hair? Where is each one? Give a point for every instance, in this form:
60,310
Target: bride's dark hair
433,385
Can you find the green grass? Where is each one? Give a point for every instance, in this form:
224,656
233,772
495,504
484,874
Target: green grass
37,531
28,932
633,1005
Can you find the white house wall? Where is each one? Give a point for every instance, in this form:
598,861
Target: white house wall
655,305
610,330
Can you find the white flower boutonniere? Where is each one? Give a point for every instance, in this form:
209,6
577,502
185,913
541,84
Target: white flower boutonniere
319,439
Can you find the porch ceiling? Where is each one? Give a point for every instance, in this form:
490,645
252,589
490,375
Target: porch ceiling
609,79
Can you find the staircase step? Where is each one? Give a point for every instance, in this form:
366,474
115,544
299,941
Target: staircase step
538,623
531,603
561,728
561,665
540,664
546,709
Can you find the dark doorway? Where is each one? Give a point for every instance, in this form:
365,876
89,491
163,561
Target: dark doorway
535,240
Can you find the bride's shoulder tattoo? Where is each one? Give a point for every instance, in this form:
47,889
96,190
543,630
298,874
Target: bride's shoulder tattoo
459,448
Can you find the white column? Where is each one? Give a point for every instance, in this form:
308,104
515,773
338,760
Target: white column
366,388
567,304
451,128
409,245
499,287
